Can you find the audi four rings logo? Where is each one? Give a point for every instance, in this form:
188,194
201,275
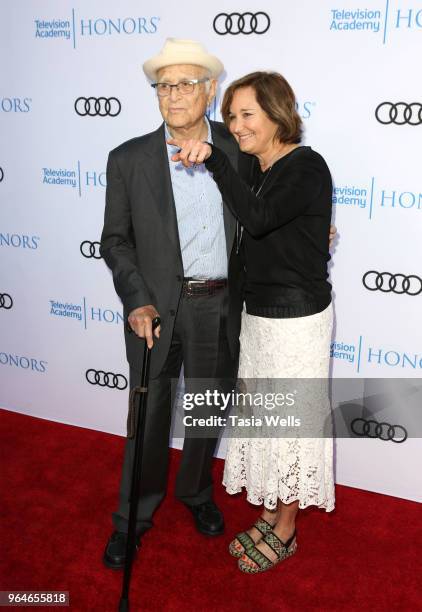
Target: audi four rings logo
98,107
382,431
106,379
90,249
394,283
399,113
241,23
1,174
6,301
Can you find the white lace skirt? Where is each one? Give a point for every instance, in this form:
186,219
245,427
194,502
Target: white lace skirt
289,469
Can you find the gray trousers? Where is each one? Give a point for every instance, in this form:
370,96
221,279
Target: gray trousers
200,343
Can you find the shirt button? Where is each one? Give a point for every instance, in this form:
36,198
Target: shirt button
172,312
178,277
204,227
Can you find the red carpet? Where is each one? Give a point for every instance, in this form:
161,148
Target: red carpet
59,485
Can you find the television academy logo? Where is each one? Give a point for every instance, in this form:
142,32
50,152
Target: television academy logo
375,198
392,283
72,27
343,351
363,354
370,428
66,309
90,249
106,379
97,107
379,22
355,19
399,113
6,301
83,312
54,28
76,177
61,176
241,23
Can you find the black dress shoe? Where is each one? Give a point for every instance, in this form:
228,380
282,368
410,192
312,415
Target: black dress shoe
115,551
208,518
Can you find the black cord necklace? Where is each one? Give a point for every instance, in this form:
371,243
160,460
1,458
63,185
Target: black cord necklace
239,226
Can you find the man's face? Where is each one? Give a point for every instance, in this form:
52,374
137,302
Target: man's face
184,110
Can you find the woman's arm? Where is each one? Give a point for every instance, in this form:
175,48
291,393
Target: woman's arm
287,198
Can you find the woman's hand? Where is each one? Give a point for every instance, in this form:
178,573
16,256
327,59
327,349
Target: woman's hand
191,152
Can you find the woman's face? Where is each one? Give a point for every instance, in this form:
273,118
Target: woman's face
250,125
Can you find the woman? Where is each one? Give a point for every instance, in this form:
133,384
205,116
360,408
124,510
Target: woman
284,211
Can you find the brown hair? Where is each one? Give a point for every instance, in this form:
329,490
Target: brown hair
276,98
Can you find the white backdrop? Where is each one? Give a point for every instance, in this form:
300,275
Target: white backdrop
59,314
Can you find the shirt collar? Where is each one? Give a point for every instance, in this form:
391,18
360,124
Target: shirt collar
168,135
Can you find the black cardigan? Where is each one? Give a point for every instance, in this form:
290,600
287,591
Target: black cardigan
286,226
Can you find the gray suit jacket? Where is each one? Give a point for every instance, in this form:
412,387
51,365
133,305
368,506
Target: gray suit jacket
140,241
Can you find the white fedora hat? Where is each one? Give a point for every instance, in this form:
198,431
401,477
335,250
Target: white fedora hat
180,51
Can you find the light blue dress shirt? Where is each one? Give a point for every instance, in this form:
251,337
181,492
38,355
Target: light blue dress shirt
199,211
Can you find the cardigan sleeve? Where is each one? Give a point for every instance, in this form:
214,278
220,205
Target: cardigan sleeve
287,197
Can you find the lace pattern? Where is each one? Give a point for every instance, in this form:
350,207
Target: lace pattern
288,469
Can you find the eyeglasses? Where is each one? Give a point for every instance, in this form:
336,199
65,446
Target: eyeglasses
183,87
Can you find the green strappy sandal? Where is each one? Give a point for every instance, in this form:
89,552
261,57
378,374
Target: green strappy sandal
283,550
245,539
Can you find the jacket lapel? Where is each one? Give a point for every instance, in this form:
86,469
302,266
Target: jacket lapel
156,169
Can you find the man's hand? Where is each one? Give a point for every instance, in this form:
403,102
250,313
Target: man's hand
191,151
332,235
140,320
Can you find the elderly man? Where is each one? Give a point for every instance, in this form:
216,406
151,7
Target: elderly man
167,238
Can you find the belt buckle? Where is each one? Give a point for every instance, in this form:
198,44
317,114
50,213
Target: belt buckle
190,287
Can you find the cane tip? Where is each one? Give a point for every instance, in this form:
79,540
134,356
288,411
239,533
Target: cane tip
124,605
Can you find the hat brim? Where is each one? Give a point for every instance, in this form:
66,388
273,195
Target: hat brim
210,62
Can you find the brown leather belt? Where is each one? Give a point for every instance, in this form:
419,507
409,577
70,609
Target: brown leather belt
193,288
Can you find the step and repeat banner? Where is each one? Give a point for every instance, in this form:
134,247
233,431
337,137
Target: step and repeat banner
72,88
